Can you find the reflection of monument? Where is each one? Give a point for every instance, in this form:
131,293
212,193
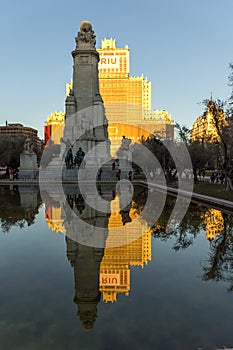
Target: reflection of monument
85,244
28,161
29,200
86,263
124,243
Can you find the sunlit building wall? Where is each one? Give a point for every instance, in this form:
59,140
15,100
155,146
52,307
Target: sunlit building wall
15,130
127,99
203,128
53,127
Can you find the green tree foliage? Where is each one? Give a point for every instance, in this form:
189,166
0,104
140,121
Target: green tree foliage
183,132
10,149
223,126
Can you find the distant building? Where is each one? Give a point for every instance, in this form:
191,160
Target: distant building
203,128
18,130
53,127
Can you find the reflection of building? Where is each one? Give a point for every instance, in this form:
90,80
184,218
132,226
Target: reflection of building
115,266
214,223
18,130
53,127
118,256
53,215
204,129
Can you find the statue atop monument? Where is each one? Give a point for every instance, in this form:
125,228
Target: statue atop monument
86,34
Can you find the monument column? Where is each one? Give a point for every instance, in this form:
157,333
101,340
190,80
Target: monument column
85,68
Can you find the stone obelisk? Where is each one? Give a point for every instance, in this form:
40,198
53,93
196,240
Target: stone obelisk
86,125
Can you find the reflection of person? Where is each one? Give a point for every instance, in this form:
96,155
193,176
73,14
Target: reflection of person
130,175
99,174
118,174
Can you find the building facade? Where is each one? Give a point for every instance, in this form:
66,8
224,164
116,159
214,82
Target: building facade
54,127
18,130
127,100
203,128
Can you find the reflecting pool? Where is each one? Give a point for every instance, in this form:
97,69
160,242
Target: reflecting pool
143,287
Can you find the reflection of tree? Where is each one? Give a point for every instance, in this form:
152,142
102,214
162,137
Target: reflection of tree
11,211
184,233
221,255
220,260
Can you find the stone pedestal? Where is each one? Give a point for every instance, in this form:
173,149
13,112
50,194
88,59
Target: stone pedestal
28,166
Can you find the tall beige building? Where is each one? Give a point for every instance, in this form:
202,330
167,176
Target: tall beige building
125,98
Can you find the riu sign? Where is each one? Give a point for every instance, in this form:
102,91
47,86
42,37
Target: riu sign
109,62
109,279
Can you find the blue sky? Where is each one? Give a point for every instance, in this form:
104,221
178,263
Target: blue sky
183,47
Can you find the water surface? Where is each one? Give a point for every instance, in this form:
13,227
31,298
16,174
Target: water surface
161,291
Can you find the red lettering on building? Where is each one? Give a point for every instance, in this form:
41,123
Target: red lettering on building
103,60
